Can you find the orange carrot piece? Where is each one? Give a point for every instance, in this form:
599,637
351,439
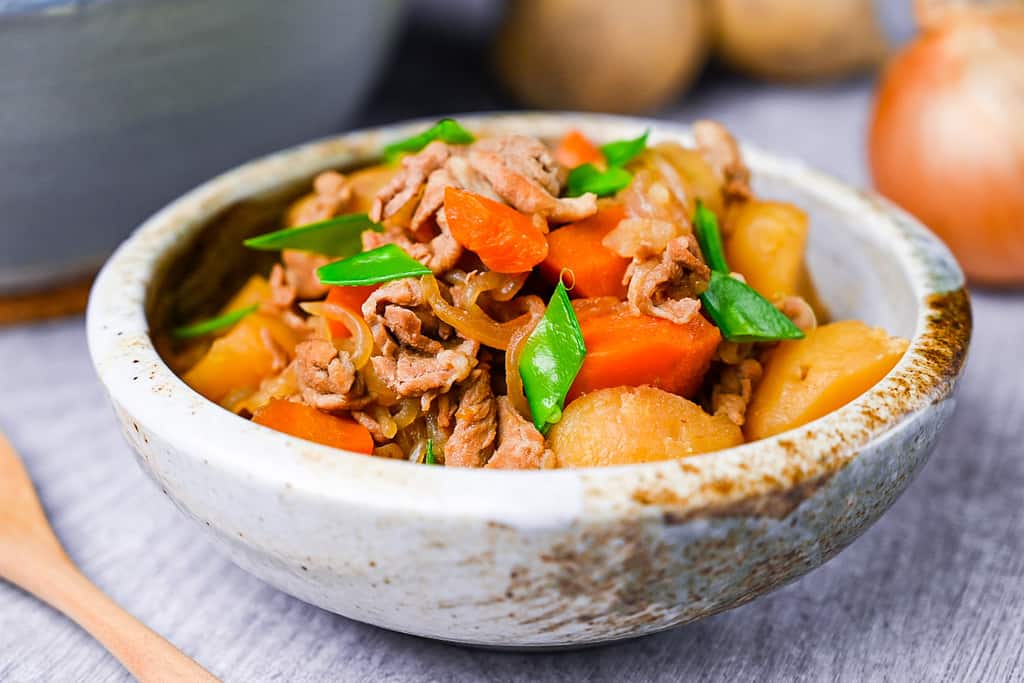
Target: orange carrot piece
596,269
506,240
349,298
627,349
310,424
576,149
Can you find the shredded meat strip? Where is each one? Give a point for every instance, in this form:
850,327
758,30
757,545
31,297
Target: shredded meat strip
282,292
331,194
523,173
300,270
398,313
722,153
327,378
731,394
641,238
296,280
520,445
413,373
440,254
473,437
372,425
668,286
515,169
411,358
278,354
457,172
408,182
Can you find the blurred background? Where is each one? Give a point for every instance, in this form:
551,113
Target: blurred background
111,108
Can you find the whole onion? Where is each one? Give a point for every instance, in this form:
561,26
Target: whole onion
947,135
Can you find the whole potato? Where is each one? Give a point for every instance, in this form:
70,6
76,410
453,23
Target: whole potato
627,425
796,40
601,56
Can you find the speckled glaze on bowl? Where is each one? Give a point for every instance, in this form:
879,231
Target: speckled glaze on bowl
551,558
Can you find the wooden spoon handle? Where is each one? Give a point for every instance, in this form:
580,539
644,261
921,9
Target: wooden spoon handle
146,654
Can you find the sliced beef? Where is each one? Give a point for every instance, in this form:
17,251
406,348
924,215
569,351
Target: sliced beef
520,445
722,153
472,440
398,313
440,254
730,396
415,352
278,354
282,292
414,373
668,286
515,169
331,194
457,172
407,327
300,270
296,279
523,173
327,378
372,425
641,238
409,181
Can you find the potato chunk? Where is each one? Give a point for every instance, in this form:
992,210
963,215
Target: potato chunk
625,425
806,379
766,244
242,358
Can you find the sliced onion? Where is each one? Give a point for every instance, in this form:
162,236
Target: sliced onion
390,450
513,380
413,438
387,425
376,387
472,323
283,385
359,346
408,411
418,453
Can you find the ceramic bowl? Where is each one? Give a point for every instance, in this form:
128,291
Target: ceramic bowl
111,108
556,558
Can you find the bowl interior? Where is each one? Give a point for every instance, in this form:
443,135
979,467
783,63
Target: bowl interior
858,273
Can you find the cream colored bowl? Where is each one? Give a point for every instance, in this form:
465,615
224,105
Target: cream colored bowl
529,559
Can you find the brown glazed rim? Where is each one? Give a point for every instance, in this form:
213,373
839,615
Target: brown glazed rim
766,478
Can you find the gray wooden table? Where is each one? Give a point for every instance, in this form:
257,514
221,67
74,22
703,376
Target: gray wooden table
935,591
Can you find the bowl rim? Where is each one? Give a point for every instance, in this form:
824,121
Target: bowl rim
751,479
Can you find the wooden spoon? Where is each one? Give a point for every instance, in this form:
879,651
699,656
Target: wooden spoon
31,557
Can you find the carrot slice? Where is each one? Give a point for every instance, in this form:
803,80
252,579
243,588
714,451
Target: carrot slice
310,424
576,149
627,349
349,298
506,240
596,269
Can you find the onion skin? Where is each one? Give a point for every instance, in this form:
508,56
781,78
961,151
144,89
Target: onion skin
947,138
